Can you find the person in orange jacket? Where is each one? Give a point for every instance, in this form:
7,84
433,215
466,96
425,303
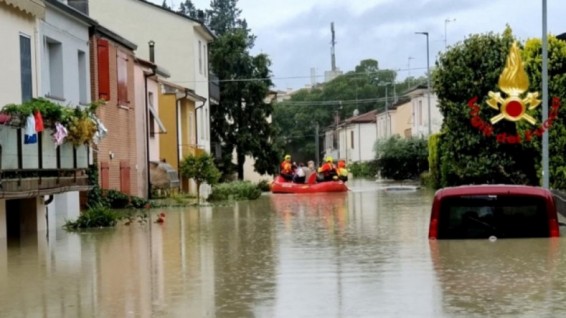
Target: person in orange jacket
328,170
286,168
342,171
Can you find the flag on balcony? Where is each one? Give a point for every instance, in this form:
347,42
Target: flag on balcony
38,121
30,136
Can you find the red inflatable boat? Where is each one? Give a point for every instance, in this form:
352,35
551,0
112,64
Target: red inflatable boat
311,186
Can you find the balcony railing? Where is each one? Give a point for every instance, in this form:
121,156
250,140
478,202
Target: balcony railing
28,170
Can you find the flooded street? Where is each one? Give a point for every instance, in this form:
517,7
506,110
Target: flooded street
364,253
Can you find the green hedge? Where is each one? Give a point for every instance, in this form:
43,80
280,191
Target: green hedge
237,190
400,159
98,216
363,169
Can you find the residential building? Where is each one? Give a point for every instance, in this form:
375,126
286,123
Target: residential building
113,81
352,139
178,111
185,53
401,118
419,101
18,84
63,44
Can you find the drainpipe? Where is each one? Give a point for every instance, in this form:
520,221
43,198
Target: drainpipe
196,121
146,76
46,203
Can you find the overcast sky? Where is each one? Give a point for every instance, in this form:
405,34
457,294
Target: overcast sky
296,33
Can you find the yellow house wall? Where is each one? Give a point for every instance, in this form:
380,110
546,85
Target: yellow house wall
401,119
168,141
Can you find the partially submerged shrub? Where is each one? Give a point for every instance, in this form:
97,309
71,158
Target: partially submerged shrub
98,216
237,190
117,199
264,185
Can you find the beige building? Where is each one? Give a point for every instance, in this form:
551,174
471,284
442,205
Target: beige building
181,46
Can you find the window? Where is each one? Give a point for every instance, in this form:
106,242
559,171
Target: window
205,59
25,68
122,72
352,139
55,67
103,70
200,56
501,216
81,58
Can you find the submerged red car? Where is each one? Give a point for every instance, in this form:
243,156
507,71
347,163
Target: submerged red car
501,211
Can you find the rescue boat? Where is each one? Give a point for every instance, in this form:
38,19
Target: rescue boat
280,185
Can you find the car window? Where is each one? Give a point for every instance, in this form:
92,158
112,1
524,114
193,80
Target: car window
500,216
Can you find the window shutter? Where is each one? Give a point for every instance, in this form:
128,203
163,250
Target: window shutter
103,70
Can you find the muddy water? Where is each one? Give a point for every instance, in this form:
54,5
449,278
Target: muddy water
359,254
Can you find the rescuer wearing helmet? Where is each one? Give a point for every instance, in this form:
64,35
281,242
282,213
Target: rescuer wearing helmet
328,170
286,168
342,170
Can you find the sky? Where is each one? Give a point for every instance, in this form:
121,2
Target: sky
296,33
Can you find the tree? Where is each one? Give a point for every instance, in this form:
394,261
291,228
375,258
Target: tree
188,8
359,90
165,5
240,122
201,168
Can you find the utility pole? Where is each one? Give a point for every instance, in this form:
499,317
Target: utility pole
545,163
428,79
445,33
317,147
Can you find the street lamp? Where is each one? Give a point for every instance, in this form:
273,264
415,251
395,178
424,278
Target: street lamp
445,33
428,79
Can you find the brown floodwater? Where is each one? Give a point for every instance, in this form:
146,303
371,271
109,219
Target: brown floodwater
364,253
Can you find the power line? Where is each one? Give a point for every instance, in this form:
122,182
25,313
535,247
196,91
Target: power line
295,77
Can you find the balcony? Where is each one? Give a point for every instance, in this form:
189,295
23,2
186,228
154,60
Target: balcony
30,170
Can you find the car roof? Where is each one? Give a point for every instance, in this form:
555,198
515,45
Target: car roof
492,189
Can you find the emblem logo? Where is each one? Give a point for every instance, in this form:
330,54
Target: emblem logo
514,103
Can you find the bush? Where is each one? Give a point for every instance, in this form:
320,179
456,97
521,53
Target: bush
264,185
402,158
366,169
117,199
138,203
237,190
98,216
433,161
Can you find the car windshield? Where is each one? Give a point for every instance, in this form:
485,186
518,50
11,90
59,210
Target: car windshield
499,216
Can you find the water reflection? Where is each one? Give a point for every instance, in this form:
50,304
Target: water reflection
364,253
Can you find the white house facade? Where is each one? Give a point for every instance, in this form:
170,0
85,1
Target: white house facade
420,120
181,46
65,79
353,139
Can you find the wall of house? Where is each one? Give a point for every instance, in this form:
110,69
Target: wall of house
361,147
63,76
14,24
420,111
168,142
118,150
382,125
140,126
175,51
401,119
70,76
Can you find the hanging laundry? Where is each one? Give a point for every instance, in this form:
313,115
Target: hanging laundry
60,134
101,131
38,121
30,134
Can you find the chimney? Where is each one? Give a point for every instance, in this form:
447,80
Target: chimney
79,5
152,51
